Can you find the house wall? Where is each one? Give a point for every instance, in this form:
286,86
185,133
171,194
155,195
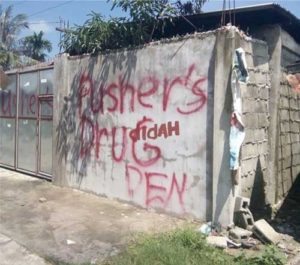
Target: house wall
288,121
290,49
283,106
151,125
271,34
255,100
255,107
289,138
136,124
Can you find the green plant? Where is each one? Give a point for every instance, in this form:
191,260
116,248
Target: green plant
190,7
146,19
270,256
183,246
187,247
10,27
35,45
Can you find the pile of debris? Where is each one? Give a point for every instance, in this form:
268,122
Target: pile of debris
246,233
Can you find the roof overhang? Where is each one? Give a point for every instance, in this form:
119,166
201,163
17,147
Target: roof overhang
246,18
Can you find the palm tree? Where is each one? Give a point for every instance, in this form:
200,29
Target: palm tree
34,46
10,27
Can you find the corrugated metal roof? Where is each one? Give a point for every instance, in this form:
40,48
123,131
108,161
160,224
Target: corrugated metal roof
247,18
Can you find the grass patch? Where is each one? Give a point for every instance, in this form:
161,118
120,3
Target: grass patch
186,247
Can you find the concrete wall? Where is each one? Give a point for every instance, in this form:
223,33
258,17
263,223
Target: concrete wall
151,125
255,98
289,138
136,124
255,104
271,34
283,134
223,197
290,49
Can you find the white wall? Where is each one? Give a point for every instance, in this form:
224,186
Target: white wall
109,96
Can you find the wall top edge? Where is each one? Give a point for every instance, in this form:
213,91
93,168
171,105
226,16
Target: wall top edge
196,35
31,68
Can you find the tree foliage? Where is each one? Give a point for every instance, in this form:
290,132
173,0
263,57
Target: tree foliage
190,7
146,17
35,45
10,27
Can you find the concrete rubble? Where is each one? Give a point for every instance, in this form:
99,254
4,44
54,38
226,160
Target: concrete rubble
242,214
217,241
252,235
265,232
238,234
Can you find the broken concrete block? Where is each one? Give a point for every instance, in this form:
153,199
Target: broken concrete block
241,203
217,241
244,219
238,234
265,232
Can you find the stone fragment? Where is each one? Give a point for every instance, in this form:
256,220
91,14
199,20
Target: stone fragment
42,199
70,242
217,241
238,234
265,232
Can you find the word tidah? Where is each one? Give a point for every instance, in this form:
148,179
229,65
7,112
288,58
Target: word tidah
164,130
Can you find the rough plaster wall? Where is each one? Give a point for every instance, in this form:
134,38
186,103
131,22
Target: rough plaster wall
103,100
272,35
223,197
290,49
255,96
289,138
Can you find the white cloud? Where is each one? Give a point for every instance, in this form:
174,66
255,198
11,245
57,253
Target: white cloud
42,25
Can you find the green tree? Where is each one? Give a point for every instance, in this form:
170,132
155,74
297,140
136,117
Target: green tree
190,7
10,27
146,22
34,46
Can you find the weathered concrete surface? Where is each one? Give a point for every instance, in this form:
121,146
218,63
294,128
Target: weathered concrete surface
136,124
223,197
13,253
98,226
271,34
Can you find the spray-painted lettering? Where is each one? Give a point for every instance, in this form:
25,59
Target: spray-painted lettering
114,96
160,188
135,147
163,130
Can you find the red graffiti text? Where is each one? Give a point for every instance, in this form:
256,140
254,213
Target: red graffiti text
164,130
160,189
115,96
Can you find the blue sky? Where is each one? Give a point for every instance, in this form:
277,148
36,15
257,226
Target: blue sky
45,15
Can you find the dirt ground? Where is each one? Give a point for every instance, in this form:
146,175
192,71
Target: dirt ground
41,221
70,226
